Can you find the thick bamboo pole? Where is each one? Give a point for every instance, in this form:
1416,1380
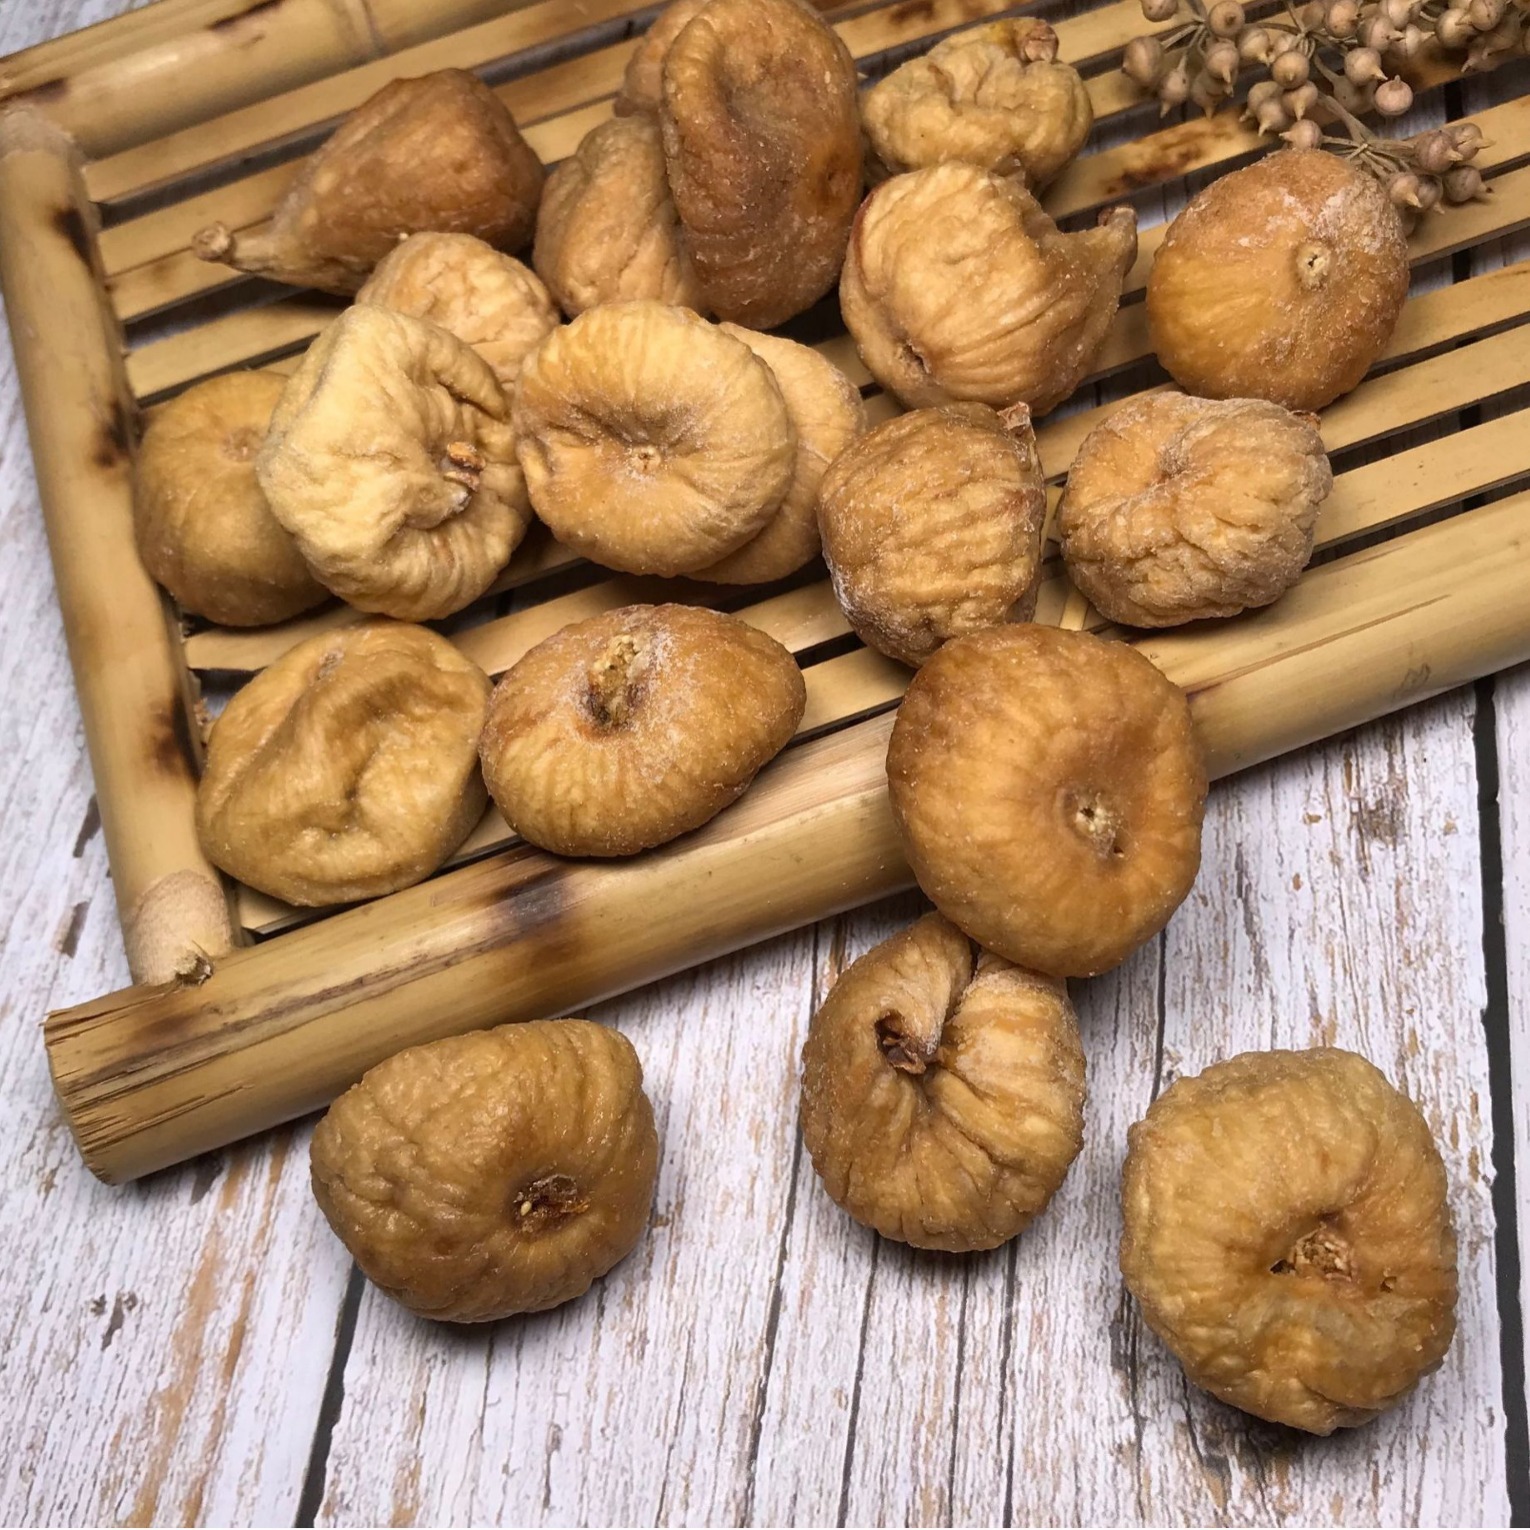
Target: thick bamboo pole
128,669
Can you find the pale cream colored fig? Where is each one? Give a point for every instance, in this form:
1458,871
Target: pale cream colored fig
643,84
957,286
943,1091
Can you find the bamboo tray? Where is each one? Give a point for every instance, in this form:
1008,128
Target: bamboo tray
117,144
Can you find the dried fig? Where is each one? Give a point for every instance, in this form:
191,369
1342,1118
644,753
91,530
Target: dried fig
392,461
932,526
827,415
621,732
435,154
348,767
994,96
942,1098
1179,508
1283,281
204,528
487,300
958,286
651,441
762,141
643,84
490,1174
607,231
1287,1235
1048,789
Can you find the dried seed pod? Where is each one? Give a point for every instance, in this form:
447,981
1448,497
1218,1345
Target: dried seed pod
391,460
490,1174
487,300
608,231
1409,45
643,83
1454,28
1343,19
1174,87
1485,15
1181,508
652,441
435,154
994,96
1222,62
1305,134
1464,184
958,286
1288,1236
932,526
1362,66
762,143
1435,153
1143,61
942,1097
1092,785
621,732
1160,10
1377,32
1394,97
348,768
1403,189
1290,70
203,526
1208,92
1299,102
1283,281
1255,45
1466,136
1358,99
1430,192
1225,18
826,415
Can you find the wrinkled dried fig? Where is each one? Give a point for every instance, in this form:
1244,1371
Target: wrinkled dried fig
490,1174
1283,281
204,528
392,461
487,300
348,767
651,441
762,140
435,154
608,231
958,286
942,1097
932,526
1048,789
994,96
1287,1235
643,84
827,415
1179,508
621,732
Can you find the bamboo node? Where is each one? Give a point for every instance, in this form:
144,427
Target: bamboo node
177,928
25,130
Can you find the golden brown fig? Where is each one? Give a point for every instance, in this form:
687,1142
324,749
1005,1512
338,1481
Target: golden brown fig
1048,789
643,84
435,154
392,461
618,733
958,286
490,1174
487,300
1287,1235
942,1098
348,767
1283,281
652,441
994,96
932,526
204,528
762,140
608,231
827,415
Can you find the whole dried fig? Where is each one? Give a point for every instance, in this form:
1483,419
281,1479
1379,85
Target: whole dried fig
1048,789
485,1175
348,768
621,732
643,83
1282,281
204,528
827,415
651,441
762,141
1287,1235
435,154
392,461
994,96
608,231
942,1097
958,286
1179,508
487,300
932,526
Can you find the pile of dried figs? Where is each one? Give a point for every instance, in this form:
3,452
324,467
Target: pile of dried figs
1286,1228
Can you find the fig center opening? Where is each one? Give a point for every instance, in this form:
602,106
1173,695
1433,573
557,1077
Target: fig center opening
1096,819
1323,1252
907,1053
1312,261
463,464
242,444
613,681
549,1200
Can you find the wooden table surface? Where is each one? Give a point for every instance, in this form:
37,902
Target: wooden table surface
198,1347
